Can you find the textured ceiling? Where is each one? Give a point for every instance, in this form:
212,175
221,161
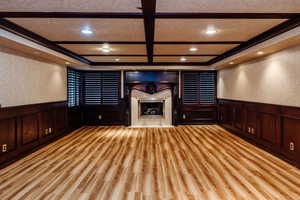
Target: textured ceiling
70,5
229,6
151,34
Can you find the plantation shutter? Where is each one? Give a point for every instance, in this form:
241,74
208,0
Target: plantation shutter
73,87
199,88
101,88
92,88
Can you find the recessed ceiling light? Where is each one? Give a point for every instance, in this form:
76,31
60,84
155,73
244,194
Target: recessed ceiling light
183,59
105,50
260,53
67,63
87,31
117,59
211,31
231,63
193,49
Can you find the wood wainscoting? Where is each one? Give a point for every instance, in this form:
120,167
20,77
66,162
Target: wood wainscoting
197,114
274,128
24,128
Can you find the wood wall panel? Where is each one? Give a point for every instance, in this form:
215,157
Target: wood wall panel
291,137
193,114
8,134
104,114
271,127
23,128
46,123
29,128
60,120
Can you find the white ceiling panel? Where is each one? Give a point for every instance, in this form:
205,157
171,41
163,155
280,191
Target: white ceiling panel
70,5
226,29
229,6
57,29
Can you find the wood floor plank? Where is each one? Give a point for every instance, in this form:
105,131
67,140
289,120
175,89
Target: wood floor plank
120,163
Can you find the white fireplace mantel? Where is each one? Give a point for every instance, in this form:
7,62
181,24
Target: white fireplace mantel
151,121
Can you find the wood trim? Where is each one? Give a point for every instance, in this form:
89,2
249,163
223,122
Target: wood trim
194,15
70,15
138,55
148,7
150,64
140,15
154,42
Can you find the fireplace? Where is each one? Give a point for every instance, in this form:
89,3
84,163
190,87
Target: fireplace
151,108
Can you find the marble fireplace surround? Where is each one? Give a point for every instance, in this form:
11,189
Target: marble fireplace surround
164,96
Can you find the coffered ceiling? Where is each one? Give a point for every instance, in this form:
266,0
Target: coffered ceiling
149,32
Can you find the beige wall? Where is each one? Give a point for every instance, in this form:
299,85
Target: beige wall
27,81
274,79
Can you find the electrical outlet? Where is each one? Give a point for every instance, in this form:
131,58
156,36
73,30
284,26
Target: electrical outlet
100,117
4,148
46,131
252,131
50,130
292,146
249,130
183,116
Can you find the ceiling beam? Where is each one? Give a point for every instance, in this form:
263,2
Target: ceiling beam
140,15
16,29
149,64
99,42
148,7
193,15
198,42
141,42
139,55
70,15
273,32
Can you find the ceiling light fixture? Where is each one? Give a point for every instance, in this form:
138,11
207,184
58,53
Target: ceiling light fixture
260,53
105,50
67,63
231,63
193,49
183,59
87,31
211,31
117,59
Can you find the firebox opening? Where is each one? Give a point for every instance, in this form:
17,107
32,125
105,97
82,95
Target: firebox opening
151,108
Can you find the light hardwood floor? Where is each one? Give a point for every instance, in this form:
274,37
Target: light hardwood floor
186,162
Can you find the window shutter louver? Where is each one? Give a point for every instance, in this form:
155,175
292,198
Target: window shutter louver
199,88
207,88
190,88
92,88
73,88
101,88
110,87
